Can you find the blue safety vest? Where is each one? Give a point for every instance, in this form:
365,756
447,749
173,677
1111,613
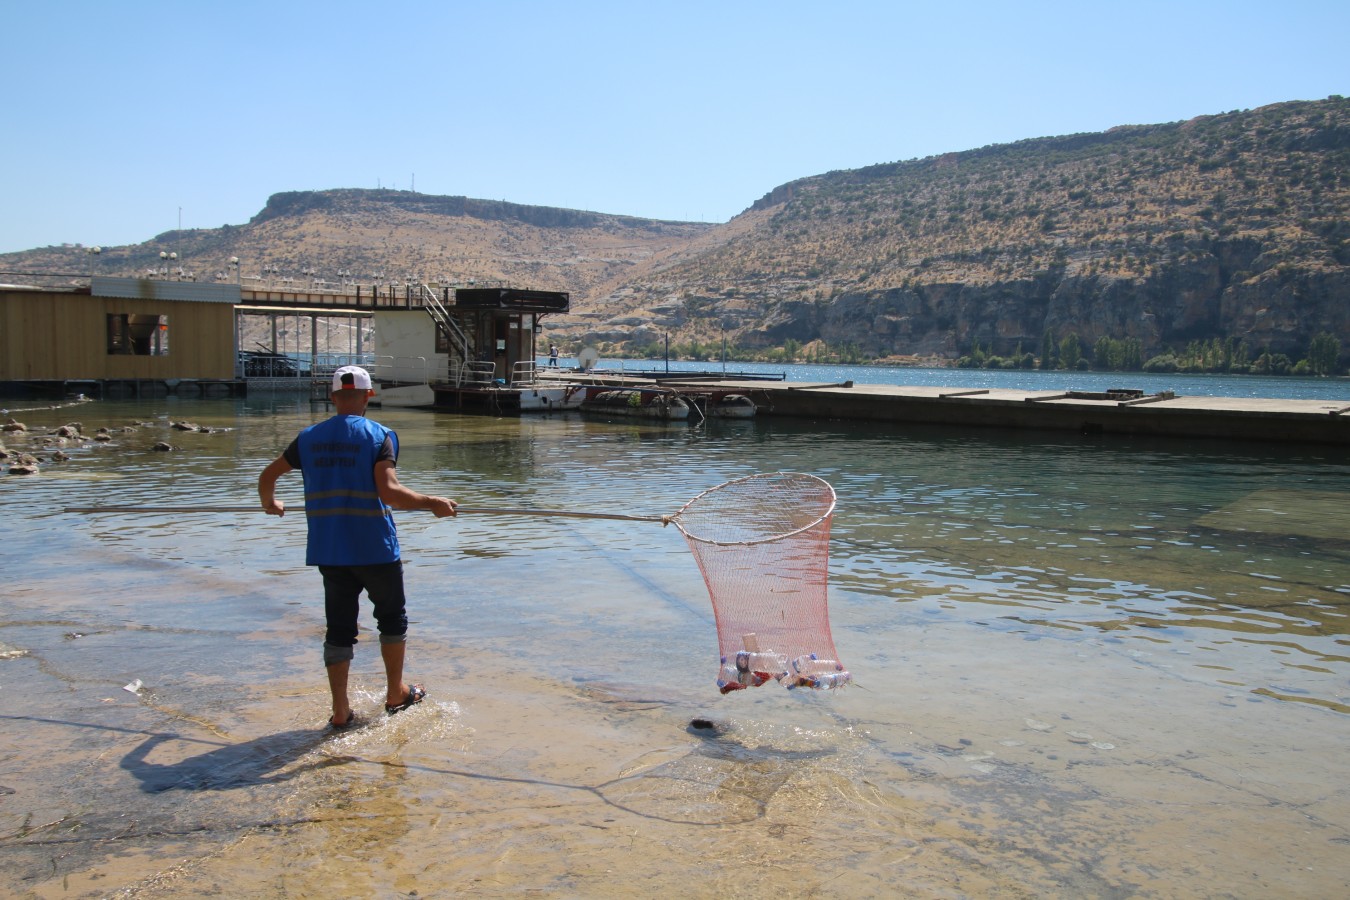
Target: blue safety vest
348,524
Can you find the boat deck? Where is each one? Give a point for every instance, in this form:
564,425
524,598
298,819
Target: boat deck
501,399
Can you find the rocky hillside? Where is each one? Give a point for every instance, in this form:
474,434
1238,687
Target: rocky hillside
301,238
1232,225
1226,226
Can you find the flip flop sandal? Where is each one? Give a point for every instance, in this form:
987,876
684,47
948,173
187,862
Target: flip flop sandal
415,694
343,726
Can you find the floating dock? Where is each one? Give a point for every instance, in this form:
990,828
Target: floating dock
1110,412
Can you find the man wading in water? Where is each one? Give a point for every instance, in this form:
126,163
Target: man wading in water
347,463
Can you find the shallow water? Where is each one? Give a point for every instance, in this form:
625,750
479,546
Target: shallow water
1085,667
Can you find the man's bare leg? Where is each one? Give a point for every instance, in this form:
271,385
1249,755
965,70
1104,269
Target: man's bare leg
396,690
337,685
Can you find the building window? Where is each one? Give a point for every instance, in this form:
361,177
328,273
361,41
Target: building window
137,335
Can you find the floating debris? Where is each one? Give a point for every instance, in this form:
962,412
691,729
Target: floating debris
9,652
134,687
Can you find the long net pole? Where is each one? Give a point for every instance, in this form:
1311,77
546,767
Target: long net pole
471,510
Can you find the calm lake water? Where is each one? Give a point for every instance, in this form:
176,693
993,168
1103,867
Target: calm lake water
1084,667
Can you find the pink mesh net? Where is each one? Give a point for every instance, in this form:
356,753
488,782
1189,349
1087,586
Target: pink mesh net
762,544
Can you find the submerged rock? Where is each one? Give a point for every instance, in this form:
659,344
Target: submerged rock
190,426
23,464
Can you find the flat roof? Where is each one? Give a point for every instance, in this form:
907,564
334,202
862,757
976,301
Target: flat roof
512,298
305,310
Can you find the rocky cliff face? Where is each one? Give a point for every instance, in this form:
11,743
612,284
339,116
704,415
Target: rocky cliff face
1280,311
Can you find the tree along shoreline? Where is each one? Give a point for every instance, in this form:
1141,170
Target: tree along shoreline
1215,357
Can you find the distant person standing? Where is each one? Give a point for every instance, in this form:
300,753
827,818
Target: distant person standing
553,354
347,463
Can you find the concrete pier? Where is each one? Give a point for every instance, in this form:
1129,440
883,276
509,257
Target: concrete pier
1166,414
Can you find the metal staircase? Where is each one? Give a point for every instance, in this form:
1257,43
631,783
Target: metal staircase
459,342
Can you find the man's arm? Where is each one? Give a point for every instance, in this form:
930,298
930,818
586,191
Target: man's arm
394,494
267,485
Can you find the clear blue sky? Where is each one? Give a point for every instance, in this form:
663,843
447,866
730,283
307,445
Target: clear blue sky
120,118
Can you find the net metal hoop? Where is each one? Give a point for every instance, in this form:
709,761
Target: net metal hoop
756,509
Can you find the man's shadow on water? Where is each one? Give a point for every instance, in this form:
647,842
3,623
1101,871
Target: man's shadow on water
259,762
230,766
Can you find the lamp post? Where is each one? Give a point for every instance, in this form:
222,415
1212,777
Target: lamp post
168,259
724,349
95,252
234,261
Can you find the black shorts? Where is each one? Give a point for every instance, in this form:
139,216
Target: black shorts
342,586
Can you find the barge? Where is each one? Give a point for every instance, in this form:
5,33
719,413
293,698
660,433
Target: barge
1115,412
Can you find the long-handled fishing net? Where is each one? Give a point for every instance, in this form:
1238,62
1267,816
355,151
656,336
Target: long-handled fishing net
762,544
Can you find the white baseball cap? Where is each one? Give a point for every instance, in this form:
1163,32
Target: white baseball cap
351,378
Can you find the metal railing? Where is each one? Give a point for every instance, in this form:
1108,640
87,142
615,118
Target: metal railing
402,370
480,373
524,374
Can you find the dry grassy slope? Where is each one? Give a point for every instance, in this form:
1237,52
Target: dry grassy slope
1229,224
383,236
615,313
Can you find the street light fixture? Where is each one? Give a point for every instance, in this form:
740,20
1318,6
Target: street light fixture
167,259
